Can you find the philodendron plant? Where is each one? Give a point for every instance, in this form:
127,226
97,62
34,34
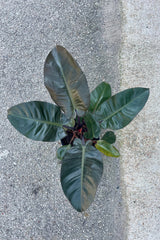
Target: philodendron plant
77,118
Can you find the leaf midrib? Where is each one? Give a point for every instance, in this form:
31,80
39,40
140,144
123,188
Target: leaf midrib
68,90
82,167
98,101
66,83
35,120
114,113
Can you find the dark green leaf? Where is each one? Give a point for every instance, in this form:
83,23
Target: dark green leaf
40,121
109,137
62,150
81,172
71,123
100,94
107,148
120,109
93,127
66,82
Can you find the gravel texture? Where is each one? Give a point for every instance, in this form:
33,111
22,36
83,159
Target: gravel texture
32,204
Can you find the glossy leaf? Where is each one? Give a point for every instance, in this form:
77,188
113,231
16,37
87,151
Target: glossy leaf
62,150
100,94
93,127
66,82
109,137
81,172
107,148
120,109
40,121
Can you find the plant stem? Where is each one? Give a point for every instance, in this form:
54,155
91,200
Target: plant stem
83,141
65,126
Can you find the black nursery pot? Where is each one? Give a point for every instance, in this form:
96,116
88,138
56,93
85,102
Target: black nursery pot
74,132
66,140
78,131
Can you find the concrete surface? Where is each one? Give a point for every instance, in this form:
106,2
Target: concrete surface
123,50
32,204
140,141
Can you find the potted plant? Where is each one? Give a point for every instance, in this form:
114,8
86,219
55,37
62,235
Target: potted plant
77,118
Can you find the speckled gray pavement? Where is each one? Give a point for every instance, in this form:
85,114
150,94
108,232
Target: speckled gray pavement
140,141
32,204
115,41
